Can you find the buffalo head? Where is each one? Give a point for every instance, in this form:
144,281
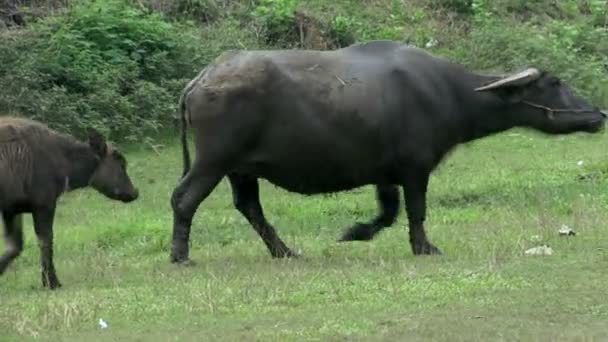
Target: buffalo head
542,101
110,177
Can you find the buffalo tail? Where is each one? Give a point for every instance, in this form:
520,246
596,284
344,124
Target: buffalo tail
184,138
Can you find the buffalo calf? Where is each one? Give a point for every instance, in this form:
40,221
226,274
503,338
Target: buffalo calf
37,165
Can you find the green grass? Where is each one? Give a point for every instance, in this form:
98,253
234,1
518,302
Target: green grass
488,203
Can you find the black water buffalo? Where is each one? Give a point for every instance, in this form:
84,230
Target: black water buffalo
37,165
378,113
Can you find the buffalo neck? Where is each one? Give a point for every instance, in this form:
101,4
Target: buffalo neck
82,164
485,113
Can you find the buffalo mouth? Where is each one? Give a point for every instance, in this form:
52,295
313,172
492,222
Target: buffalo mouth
125,197
129,198
596,125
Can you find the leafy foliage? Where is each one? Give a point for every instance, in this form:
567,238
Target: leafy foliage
575,49
458,6
103,64
343,28
277,19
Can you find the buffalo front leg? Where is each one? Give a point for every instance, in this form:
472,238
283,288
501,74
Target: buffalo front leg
187,196
387,197
43,225
13,237
415,188
246,197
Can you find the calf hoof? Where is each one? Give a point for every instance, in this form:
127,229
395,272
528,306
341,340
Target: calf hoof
425,248
358,232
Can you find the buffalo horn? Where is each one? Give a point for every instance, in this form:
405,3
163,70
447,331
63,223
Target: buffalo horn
519,78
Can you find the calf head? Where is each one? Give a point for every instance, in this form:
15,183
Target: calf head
542,101
111,178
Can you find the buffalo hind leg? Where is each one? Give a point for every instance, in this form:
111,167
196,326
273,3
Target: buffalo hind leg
246,197
415,188
187,196
388,200
43,225
13,236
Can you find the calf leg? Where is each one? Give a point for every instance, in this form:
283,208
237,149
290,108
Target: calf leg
246,197
13,236
388,200
415,187
187,196
43,225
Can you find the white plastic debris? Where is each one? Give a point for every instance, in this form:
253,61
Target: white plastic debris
566,231
431,43
535,238
540,250
102,324
580,163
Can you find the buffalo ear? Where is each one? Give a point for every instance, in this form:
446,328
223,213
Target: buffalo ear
97,142
513,94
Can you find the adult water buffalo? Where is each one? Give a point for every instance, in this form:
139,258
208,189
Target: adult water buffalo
378,113
37,165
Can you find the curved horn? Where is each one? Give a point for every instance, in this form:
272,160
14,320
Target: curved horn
520,78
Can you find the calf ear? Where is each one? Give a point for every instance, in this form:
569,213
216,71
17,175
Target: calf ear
97,142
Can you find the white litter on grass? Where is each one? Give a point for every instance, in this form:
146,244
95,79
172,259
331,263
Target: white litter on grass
580,163
540,250
566,231
535,238
431,43
103,324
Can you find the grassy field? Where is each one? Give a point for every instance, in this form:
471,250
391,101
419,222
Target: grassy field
488,203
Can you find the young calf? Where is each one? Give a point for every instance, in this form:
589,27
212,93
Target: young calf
37,165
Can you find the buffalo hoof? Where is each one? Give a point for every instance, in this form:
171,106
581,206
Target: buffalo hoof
285,253
183,262
359,232
179,254
51,282
425,248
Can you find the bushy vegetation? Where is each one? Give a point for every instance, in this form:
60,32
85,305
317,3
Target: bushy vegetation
120,64
102,63
563,37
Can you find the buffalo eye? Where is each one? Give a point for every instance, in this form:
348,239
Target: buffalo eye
556,82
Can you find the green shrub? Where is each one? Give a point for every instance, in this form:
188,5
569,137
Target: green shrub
103,64
599,12
457,6
575,52
343,29
199,11
277,18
